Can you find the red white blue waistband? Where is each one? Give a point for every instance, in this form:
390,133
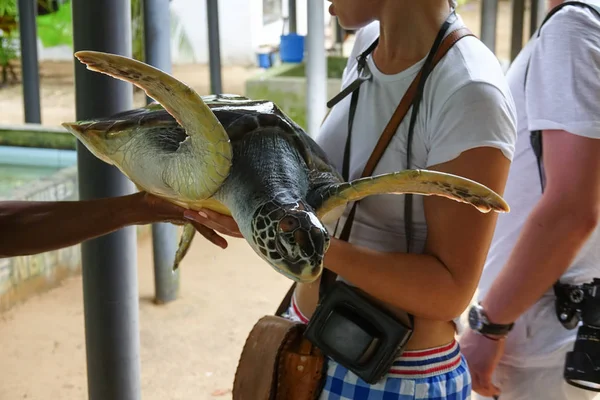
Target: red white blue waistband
412,364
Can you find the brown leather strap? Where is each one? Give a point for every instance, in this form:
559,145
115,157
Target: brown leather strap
285,303
407,100
392,126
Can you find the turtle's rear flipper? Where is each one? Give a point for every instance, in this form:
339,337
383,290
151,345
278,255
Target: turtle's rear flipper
208,141
184,244
422,182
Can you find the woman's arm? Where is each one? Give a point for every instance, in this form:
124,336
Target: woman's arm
439,283
472,135
28,227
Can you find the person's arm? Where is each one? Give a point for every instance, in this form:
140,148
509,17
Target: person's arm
555,231
568,114
28,227
439,283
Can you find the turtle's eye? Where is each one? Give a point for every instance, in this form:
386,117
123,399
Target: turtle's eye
288,224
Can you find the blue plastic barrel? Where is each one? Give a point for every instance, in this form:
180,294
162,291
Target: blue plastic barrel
291,48
265,60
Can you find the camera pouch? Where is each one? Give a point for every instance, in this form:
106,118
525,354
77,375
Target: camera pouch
356,333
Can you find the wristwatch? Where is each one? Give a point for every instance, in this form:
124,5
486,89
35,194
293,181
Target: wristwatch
479,322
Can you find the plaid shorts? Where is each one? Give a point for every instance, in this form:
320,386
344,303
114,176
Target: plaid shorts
439,373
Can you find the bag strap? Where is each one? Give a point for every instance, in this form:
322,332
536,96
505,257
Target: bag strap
389,131
407,100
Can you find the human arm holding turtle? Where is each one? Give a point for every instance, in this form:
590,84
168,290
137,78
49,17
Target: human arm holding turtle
439,283
30,227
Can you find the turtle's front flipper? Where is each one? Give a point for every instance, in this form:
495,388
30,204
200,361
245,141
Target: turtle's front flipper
207,147
422,182
184,244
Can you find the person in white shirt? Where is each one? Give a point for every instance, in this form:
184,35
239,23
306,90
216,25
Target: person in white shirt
549,235
465,125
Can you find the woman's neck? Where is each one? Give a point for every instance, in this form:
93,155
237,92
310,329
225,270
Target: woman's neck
407,31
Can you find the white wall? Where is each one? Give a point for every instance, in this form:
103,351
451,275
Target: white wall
240,27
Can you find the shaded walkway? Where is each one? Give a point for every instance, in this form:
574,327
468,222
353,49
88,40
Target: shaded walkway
189,348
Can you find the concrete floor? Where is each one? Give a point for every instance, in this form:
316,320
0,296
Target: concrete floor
188,348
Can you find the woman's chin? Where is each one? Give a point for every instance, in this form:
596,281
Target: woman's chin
332,10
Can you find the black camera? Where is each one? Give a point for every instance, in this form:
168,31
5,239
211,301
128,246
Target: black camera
574,304
356,333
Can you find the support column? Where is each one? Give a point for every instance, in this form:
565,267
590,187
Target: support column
109,270
157,45
316,67
214,46
29,61
489,18
292,18
518,17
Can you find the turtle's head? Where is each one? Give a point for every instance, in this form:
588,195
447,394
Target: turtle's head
291,238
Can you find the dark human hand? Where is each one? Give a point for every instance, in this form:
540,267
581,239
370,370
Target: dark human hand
206,222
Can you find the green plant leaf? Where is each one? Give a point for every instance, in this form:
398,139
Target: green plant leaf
56,29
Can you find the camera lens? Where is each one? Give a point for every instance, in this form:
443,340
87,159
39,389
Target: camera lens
582,365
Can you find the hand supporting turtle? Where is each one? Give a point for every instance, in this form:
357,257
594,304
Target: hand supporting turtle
24,225
208,223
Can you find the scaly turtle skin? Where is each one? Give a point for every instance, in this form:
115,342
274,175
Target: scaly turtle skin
247,159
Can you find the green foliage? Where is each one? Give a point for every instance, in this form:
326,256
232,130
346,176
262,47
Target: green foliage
8,7
8,47
137,30
56,28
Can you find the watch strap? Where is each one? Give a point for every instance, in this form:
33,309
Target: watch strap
495,329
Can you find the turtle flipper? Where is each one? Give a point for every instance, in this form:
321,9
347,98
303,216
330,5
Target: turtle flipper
422,182
184,244
208,141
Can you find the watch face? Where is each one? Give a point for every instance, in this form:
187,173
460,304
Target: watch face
475,321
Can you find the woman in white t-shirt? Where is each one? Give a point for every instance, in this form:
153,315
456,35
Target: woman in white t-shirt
465,126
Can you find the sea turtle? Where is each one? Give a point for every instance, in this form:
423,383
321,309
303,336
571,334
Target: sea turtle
244,158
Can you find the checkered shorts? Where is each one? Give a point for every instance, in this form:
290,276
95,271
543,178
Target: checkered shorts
439,373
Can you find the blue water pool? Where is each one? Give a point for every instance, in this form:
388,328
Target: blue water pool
20,165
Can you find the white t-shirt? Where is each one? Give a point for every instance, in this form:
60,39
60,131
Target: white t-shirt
563,92
466,104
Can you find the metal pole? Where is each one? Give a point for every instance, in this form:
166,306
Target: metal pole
109,271
518,16
316,67
157,45
292,18
538,12
339,32
489,18
214,49
533,17
29,61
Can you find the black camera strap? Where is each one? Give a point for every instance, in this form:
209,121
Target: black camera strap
535,137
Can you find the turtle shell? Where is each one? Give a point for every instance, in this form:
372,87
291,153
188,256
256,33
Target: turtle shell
240,115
